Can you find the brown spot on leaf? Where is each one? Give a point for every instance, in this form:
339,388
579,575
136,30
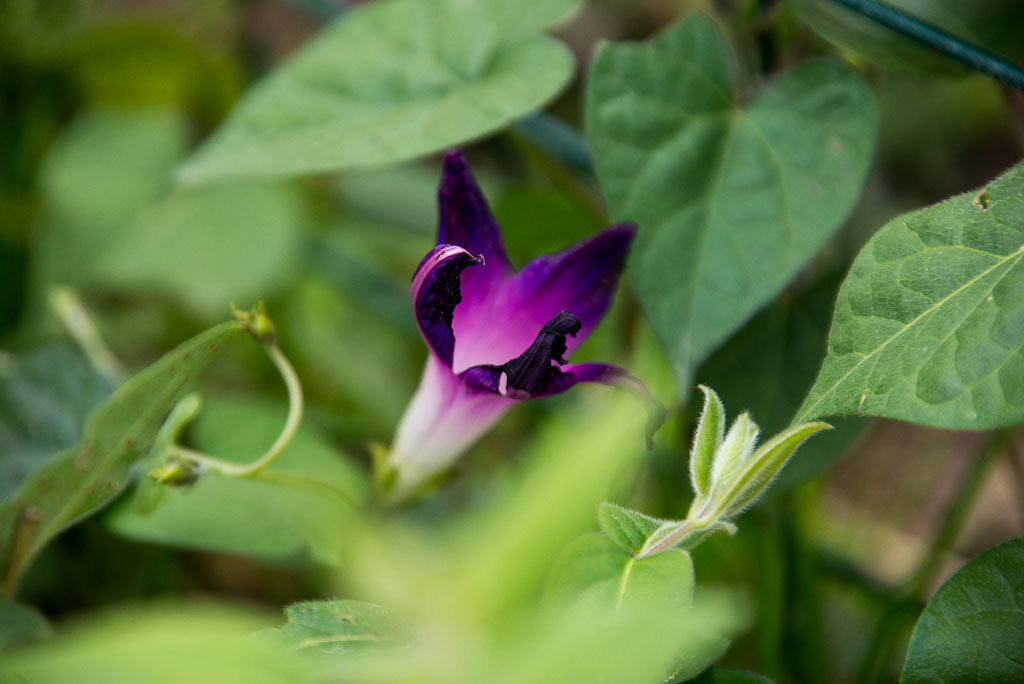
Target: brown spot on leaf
981,200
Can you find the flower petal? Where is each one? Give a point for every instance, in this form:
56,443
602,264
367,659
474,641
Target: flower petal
436,291
554,380
443,419
580,279
464,218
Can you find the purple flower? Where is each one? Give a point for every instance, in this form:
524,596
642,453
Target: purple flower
498,337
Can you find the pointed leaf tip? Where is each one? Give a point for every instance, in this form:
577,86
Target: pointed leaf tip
627,528
707,438
766,464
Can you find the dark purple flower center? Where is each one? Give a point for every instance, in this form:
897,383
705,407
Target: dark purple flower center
530,372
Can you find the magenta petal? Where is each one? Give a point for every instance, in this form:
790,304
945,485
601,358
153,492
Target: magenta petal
443,419
464,217
435,293
555,380
580,280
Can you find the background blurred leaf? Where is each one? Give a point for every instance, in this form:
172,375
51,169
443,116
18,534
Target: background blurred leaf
45,396
106,168
996,25
541,221
348,355
767,367
149,65
385,82
730,201
209,246
299,503
20,624
929,323
972,630
111,221
198,643
77,482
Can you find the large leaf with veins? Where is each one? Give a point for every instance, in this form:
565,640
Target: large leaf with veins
929,324
731,198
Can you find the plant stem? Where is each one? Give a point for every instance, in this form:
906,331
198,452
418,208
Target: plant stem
291,426
935,38
888,635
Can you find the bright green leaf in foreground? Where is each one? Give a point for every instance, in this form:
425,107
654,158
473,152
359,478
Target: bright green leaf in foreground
929,324
77,482
389,81
731,198
193,643
301,501
972,631
20,624
595,565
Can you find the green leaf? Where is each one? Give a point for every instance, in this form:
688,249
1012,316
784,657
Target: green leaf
209,246
338,626
595,569
162,645
45,397
300,502
627,528
707,439
111,223
929,324
100,174
594,565
79,481
764,466
20,624
768,367
972,630
388,81
731,198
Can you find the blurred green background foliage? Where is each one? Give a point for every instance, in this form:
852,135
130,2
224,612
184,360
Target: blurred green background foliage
130,174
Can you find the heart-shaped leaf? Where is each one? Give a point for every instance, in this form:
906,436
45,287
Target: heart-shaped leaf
597,566
972,630
929,324
731,198
387,81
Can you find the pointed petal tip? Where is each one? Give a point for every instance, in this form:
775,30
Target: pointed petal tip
454,160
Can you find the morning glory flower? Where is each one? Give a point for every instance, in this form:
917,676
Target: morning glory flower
498,337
